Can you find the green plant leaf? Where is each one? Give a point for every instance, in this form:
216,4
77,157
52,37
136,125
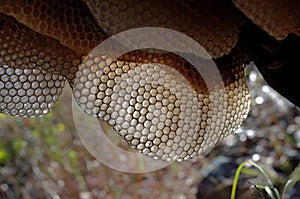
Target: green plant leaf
273,191
295,177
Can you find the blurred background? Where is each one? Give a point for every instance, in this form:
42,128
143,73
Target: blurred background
44,157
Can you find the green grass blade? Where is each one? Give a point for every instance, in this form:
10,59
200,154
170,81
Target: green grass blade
295,177
273,191
236,178
262,171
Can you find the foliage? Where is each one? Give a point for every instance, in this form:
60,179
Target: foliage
270,189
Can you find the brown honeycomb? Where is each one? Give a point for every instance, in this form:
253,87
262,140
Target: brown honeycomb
28,92
33,68
205,24
155,108
157,102
69,21
278,18
171,60
23,48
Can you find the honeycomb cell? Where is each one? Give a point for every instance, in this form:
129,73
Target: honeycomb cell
216,35
17,42
275,17
167,118
156,101
75,27
32,98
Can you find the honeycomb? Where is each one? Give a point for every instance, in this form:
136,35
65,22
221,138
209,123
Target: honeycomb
70,22
23,48
157,102
156,109
28,92
278,18
216,35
